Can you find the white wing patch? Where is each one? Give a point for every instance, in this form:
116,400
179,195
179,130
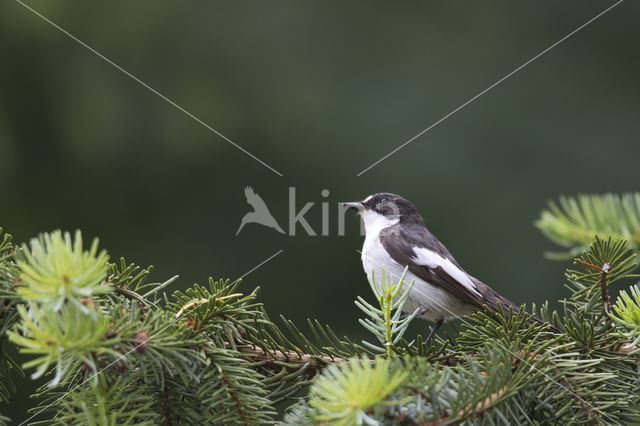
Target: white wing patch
431,259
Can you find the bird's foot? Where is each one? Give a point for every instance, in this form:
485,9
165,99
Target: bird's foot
435,328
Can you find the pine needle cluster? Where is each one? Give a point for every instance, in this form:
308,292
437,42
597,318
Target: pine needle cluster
118,349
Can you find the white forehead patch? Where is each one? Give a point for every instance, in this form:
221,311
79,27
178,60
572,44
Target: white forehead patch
366,200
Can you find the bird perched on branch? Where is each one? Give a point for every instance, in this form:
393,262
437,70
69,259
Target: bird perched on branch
396,237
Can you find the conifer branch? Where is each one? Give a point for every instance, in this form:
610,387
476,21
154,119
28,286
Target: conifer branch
465,414
129,352
165,399
573,222
316,362
235,397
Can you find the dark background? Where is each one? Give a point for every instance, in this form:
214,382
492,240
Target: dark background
319,91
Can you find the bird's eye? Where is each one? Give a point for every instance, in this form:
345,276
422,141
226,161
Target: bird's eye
383,201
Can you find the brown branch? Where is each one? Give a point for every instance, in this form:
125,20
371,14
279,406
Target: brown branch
317,362
165,399
588,411
606,302
256,354
587,264
233,393
627,351
235,397
604,272
463,414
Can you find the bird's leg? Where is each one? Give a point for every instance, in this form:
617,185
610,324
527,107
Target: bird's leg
435,328
421,311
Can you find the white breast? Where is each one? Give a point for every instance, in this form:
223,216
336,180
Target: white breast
439,304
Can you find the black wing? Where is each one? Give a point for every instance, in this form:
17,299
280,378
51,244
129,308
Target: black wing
399,243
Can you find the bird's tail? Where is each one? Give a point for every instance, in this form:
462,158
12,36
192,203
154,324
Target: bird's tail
492,299
506,304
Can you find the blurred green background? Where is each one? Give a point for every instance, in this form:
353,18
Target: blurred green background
319,91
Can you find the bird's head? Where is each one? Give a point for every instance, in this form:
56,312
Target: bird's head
384,209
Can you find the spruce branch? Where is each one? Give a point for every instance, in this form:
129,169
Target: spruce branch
343,394
478,409
210,354
385,322
122,402
259,355
55,270
573,222
65,338
8,317
131,277
627,316
295,345
246,399
61,325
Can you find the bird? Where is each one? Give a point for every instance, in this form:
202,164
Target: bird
260,213
397,237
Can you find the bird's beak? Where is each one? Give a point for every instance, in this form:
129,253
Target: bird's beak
353,205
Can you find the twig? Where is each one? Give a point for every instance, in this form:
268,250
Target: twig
235,397
255,353
604,271
588,411
165,399
587,265
627,350
583,403
606,302
463,414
